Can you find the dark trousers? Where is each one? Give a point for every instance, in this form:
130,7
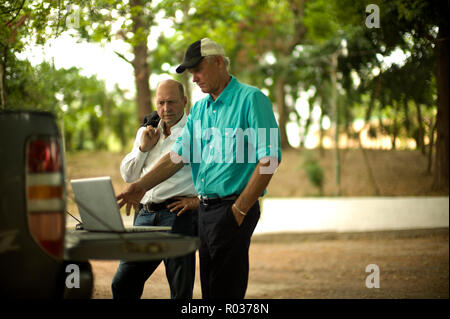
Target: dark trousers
223,253
130,277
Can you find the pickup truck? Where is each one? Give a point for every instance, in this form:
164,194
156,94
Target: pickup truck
39,256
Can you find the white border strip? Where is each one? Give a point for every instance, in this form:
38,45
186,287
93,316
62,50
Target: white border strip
352,214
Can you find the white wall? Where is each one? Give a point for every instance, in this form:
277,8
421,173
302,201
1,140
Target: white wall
352,214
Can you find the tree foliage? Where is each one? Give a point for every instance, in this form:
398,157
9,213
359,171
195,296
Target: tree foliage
285,47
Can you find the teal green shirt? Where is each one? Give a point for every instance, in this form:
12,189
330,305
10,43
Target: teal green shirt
223,140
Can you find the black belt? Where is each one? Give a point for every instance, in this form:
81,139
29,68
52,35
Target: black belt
205,201
153,207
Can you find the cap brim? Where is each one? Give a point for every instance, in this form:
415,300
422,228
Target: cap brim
188,64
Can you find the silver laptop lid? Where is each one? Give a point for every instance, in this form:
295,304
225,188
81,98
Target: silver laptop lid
97,204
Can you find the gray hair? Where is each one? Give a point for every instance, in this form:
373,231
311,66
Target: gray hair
225,59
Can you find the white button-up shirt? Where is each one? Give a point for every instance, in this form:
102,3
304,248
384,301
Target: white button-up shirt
137,163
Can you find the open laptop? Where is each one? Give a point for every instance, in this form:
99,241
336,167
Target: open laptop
98,207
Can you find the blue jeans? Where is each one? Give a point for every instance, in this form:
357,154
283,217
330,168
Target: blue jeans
130,277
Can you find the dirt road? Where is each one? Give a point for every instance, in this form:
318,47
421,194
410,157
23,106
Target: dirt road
412,264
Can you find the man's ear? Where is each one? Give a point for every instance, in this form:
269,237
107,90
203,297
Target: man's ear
219,60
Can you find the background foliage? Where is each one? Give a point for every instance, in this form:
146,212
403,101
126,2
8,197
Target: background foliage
288,48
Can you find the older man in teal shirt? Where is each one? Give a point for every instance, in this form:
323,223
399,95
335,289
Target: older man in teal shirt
224,139
231,139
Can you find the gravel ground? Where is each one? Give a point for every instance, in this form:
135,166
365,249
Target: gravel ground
411,263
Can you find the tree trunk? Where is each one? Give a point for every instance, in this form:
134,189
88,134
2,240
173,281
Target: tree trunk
441,175
141,68
321,133
369,169
381,129
142,76
187,90
185,78
395,125
2,79
420,136
282,112
2,87
349,131
335,108
430,149
307,124
406,119
373,97
286,48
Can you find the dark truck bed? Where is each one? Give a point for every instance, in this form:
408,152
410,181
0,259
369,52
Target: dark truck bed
82,245
35,246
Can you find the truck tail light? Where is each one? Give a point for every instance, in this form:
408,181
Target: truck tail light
45,194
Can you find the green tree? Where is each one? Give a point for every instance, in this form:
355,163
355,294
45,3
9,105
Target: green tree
25,22
99,21
249,32
89,114
415,26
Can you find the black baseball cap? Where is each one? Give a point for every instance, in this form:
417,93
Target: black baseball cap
197,51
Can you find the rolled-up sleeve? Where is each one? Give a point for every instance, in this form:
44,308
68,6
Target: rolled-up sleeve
262,119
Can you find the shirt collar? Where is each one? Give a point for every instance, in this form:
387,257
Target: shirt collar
226,94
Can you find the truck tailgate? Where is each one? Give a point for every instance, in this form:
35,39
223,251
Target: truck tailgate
81,245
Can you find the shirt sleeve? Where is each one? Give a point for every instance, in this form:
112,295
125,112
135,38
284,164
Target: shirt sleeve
133,162
262,120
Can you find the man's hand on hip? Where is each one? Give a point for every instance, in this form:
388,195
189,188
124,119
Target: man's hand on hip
184,204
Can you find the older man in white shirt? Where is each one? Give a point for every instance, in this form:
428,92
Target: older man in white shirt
172,203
